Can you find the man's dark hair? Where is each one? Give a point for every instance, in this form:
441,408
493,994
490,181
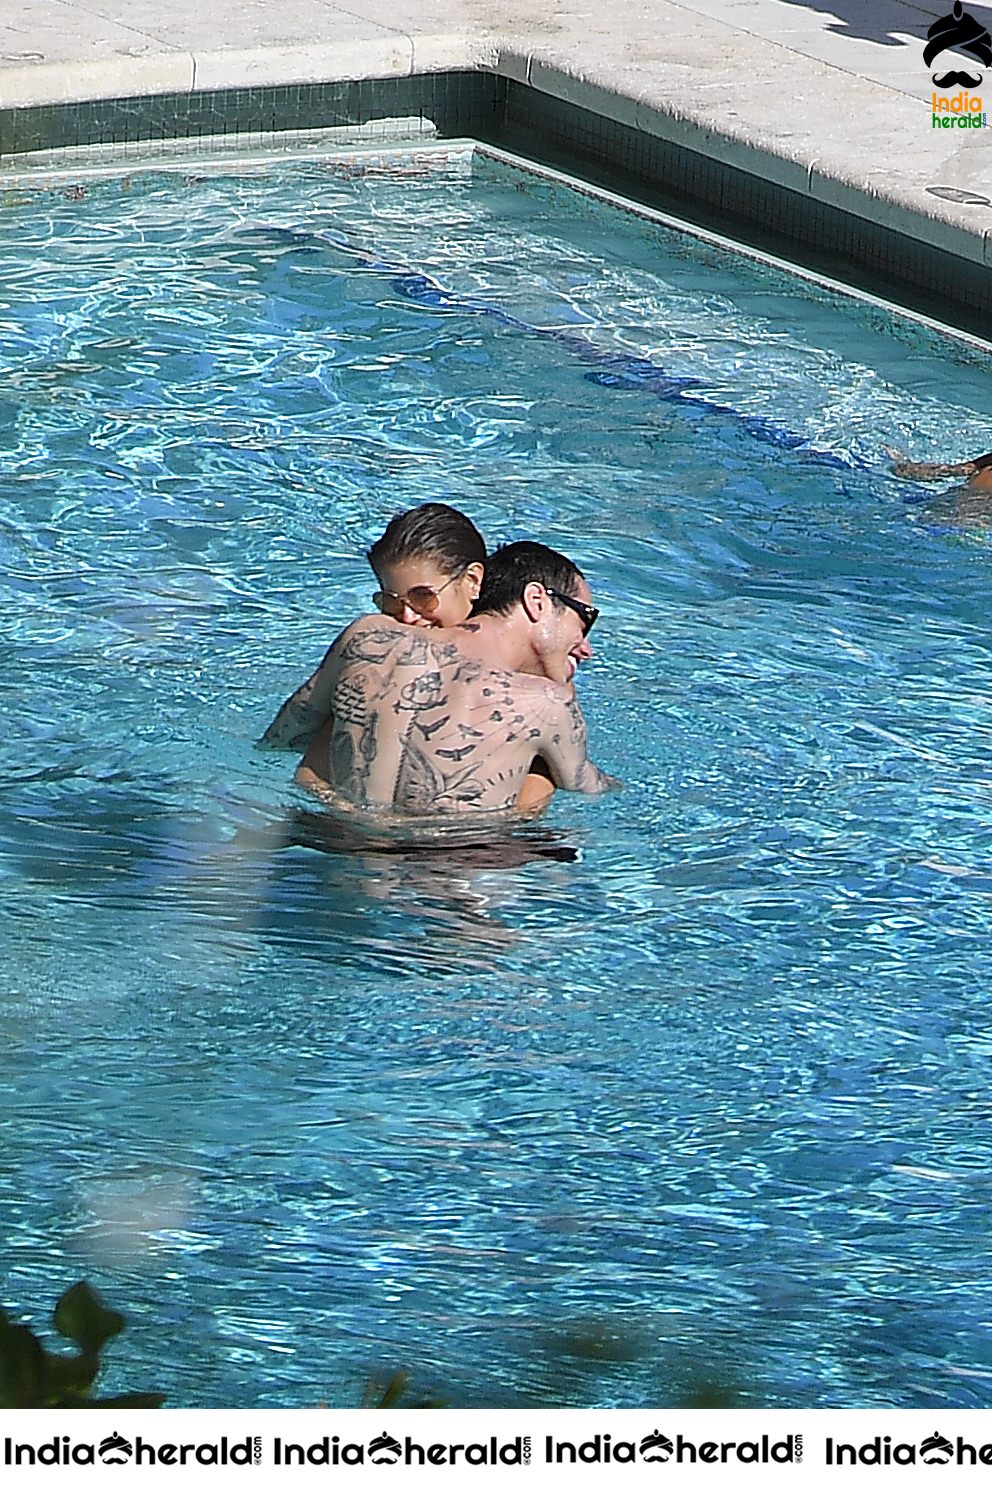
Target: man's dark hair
433,531
512,568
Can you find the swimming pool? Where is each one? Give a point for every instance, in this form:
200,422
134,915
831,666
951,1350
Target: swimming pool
708,1100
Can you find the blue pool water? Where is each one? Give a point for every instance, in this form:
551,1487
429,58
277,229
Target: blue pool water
705,1100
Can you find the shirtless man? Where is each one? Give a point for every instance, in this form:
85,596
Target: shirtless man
437,722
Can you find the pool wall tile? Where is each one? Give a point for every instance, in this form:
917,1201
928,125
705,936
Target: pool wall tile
774,206
453,101
614,140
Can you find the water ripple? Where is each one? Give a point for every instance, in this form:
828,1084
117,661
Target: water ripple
695,1083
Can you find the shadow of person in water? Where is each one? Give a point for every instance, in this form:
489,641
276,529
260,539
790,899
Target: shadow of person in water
327,833
93,842
451,881
250,874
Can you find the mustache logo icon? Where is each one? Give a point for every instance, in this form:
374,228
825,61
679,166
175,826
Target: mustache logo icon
956,80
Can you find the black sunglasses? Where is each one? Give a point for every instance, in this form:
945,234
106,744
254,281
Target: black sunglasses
587,613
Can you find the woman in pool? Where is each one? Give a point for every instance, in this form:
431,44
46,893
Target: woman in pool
429,563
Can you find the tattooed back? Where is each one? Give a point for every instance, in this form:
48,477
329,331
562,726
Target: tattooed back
422,723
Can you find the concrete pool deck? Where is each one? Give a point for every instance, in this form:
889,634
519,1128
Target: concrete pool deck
829,99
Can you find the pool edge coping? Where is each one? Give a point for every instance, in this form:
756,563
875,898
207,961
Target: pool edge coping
745,146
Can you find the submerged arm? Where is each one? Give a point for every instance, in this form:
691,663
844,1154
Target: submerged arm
913,470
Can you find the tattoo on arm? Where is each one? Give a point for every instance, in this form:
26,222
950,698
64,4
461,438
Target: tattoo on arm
566,751
300,716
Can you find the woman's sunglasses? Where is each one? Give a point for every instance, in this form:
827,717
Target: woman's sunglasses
587,613
422,599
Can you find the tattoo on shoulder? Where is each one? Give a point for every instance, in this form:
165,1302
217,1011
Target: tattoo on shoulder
416,653
372,645
423,692
428,729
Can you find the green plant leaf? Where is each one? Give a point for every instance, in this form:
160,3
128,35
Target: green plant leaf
150,1401
394,1389
81,1316
23,1368
68,1377
379,1395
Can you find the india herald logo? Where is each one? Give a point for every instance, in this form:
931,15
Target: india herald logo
936,1450
115,1450
656,1448
385,1450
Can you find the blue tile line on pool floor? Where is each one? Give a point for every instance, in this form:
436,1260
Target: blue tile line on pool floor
613,369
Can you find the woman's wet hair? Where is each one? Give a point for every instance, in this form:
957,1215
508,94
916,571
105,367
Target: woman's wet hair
433,531
511,568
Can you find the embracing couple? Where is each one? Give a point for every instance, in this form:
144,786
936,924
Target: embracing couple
457,696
